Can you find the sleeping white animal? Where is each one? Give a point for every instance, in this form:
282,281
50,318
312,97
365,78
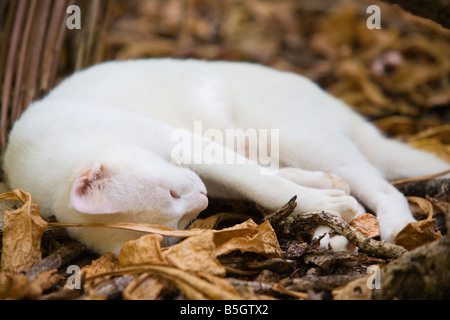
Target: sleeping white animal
120,141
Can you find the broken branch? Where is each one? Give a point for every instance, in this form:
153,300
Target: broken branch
303,222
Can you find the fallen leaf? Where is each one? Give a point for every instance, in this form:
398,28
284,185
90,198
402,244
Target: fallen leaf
264,241
196,253
18,286
23,229
278,287
420,207
354,290
366,224
199,253
194,286
416,234
141,227
439,202
213,221
144,250
13,286
441,133
145,287
106,263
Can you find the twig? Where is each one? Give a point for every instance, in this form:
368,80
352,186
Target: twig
422,188
281,214
52,44
57,259
319,283
303,222
10,68
256,286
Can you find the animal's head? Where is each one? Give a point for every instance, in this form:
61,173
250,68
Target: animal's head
132,181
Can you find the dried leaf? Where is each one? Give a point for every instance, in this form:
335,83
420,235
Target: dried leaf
416,234
196,253
441,133
278,287
23,229
141,227
264,242
439,202
106,263
420,207
144,250
193,286
366,224
199,253
215,220
44,281
18,286
354,290
13,286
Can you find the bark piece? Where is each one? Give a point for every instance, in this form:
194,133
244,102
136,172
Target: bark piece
301,222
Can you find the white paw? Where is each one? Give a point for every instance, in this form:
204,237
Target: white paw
390,228
314,179
336,243
332,201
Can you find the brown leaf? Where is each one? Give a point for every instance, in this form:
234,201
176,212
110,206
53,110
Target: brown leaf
366,224
354,290
215,220
141,227
13,286
44,281
196,253
439,202
199,253
420,207
194,286
106,263
144,250
264,242
441,133
23,229
416,234
18,286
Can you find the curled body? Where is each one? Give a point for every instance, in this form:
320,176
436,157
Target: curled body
105,146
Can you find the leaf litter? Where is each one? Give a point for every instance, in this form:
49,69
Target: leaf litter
396,76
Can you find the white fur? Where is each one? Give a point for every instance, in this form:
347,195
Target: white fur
120,116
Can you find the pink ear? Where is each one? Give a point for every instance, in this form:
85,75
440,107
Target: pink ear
85,200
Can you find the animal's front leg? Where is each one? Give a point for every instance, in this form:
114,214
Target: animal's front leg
248,180
314,179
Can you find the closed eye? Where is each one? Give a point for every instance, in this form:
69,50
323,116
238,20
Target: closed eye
174,194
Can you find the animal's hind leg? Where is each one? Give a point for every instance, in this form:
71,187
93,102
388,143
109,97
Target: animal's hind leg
343,158
395,159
